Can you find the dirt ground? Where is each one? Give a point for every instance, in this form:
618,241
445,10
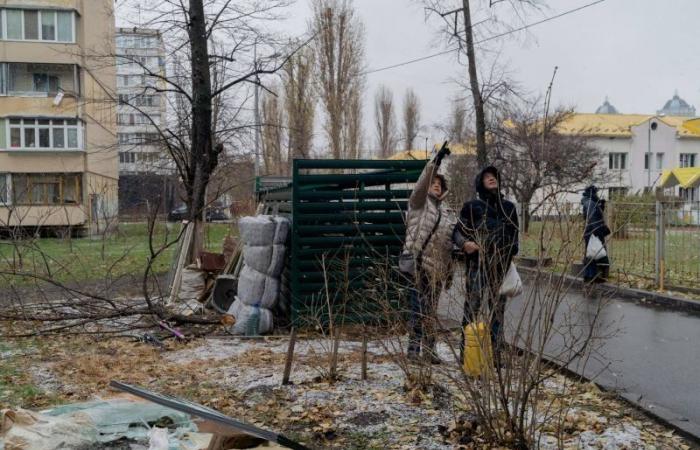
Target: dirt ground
242,378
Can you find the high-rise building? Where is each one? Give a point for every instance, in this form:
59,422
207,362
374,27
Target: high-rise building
58,153
144,166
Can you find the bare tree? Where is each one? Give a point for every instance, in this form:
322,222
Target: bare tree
411,118
272,131
299,103
385,121
466,36
217,50
457,128
339,60
541,160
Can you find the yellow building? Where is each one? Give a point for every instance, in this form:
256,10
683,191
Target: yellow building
58,144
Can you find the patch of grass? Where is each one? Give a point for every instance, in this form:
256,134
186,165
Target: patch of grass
632,255
74,260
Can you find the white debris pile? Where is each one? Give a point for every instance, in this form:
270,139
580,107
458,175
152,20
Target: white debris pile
264,239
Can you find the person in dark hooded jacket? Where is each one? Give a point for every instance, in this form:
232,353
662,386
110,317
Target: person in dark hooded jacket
487,232
593,207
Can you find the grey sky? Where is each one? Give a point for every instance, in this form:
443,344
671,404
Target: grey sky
637,52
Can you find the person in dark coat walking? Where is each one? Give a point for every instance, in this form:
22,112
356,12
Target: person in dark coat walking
595,270
487,232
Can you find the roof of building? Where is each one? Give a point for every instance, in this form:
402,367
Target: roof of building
677,106
606,108
686,177
455,149
620,125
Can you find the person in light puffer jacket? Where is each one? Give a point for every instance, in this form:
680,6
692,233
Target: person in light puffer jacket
429,225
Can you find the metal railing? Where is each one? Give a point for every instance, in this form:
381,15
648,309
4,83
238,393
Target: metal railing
654,244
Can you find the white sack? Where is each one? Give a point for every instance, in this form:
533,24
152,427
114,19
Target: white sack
257,230
595,249
281,229
258,257
255,288
245,313
276,265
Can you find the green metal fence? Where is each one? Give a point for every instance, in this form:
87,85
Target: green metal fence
348,224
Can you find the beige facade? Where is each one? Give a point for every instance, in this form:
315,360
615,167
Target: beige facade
58,142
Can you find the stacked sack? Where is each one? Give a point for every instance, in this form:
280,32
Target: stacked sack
264,239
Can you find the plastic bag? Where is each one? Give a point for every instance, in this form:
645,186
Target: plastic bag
245,313
595,249
257,230
255,288
282,226
158,439
258,257
512,285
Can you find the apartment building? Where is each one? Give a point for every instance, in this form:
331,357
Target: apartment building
145,170
58,141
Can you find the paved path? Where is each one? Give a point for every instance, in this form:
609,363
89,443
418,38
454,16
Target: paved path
653,358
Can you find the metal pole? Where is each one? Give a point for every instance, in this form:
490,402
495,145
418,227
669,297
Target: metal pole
257,115
649,155
659,248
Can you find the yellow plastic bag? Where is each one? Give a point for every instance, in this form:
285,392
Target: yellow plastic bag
478,354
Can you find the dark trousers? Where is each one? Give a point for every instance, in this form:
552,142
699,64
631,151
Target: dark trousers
423,299
479,289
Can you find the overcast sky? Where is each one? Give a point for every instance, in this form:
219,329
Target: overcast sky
637,52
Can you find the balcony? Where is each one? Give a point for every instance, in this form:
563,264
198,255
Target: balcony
39,80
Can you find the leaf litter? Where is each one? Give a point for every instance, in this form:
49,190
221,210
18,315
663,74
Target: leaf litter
242,378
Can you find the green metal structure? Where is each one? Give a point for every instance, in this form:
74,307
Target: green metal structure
347,232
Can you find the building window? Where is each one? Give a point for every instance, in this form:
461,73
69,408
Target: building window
138,138
127,157
139,100
137,119
4,188
687,160
47,189
617,161
38,25
659,161
646,160
58,134
687,194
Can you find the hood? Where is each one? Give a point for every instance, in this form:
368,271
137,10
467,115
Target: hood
479,182
591,192
445,190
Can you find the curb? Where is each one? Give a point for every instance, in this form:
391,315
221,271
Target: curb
640,295
686,428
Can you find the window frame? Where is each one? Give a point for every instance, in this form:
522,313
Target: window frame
617,161
684,157
7,201
63,181
64,125
40,33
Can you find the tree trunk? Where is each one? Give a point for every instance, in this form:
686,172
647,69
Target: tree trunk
203,158
481,154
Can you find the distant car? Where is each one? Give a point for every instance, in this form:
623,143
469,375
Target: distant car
212,214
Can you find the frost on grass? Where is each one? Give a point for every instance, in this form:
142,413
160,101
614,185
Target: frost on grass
242,378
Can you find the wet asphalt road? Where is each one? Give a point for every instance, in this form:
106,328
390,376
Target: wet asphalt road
651,356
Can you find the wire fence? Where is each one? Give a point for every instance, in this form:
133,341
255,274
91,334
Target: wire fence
654,245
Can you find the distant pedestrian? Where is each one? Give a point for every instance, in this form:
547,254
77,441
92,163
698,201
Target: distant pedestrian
426,258
487,232
596,263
